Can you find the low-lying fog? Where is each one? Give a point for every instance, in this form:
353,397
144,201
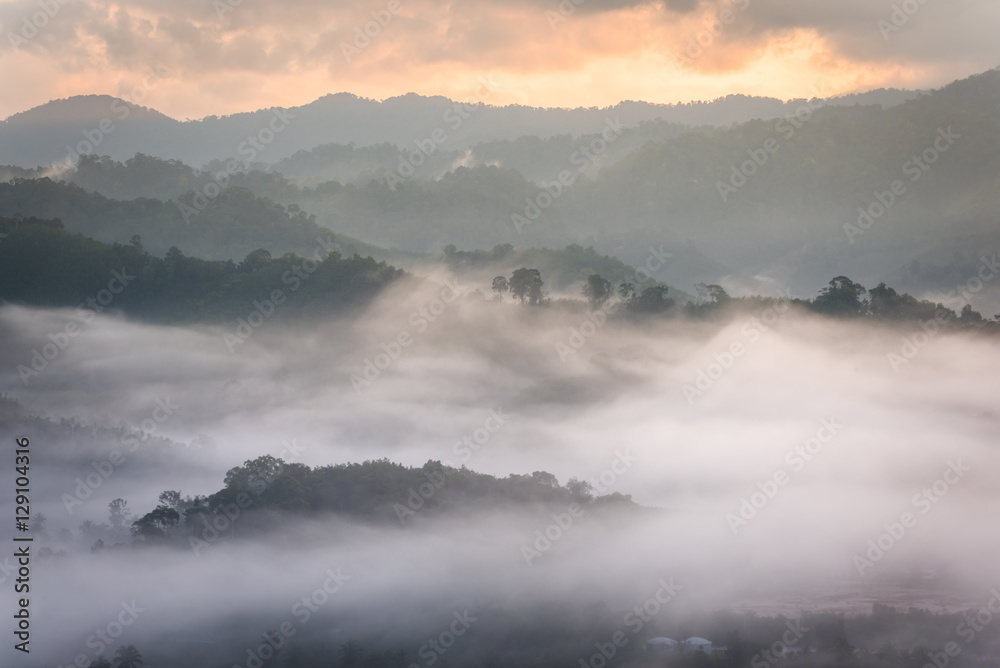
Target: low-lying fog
774,467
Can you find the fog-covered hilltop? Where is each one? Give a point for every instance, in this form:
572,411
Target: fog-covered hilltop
902,194
40,136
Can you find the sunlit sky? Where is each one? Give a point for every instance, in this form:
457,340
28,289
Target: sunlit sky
225,56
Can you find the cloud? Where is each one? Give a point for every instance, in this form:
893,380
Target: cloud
254,55
814,399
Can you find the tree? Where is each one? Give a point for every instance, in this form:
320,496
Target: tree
883,302
580,489
255,474
651,300
170,498
255,260
38,523
715,294
841,298
597,290
526,285
500,251
968,315
626,291
500,285
545,478
128,657
118,513
157,524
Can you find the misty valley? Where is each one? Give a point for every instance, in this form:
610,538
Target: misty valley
707,385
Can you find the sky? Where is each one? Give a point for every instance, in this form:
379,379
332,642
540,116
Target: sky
224,56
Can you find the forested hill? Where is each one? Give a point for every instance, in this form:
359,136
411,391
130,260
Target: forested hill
39,136
270,492
225,227
41,264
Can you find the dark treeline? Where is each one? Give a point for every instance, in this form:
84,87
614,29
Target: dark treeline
41,264
265,493
842,298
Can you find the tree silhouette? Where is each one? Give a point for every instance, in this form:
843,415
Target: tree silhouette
526,285
157,524
118,513
128,656
500,285
170,499
842,297
597,290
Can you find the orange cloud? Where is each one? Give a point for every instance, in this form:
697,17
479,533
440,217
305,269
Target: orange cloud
254,55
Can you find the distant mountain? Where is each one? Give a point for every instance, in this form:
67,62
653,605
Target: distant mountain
104,125
779,213
239,221
228,227
756,206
